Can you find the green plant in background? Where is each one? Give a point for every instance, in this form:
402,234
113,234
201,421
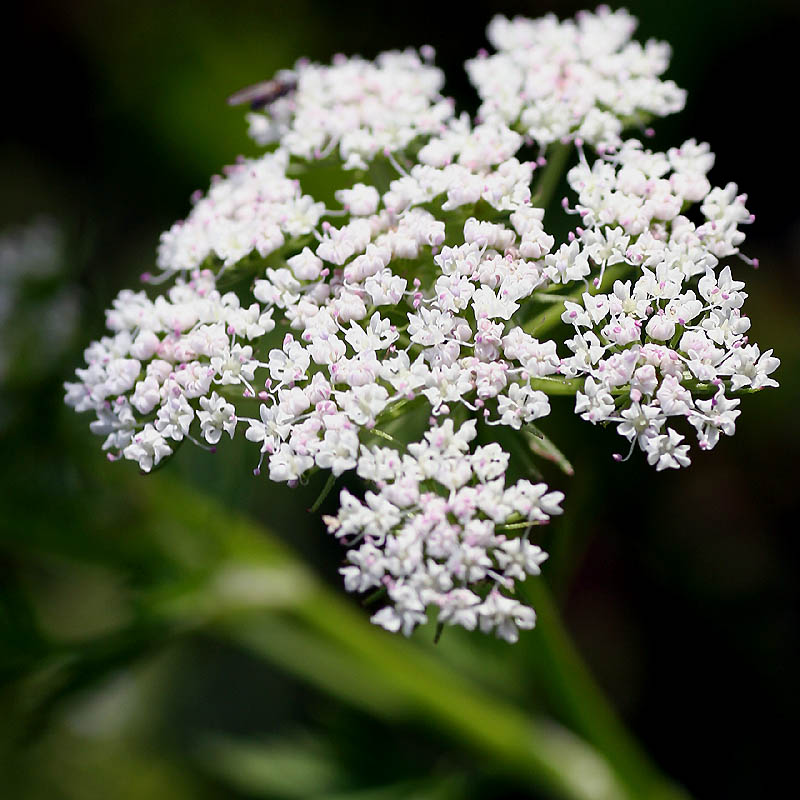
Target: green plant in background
364,297
38,313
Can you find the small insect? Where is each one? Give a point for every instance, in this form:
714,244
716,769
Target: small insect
261,95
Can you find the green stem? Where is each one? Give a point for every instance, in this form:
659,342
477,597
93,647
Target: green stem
557,386
550,317
337,651
545,297
581,703
265,599
326,490
383,435
550,176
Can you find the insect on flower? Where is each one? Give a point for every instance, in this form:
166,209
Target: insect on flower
260,95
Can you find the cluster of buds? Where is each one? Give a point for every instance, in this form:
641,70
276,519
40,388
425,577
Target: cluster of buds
388,256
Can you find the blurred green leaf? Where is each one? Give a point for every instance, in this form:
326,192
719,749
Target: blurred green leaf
250,588
544,447
286,768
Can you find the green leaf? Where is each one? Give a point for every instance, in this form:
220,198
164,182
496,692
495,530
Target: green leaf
544,447
288,768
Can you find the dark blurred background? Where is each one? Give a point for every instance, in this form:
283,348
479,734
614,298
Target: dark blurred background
681,589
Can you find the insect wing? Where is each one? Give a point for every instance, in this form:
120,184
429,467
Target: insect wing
262,94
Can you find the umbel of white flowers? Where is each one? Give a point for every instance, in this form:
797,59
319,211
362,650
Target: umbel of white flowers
427,282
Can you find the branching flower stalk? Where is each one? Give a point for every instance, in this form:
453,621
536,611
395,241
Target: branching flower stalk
387,255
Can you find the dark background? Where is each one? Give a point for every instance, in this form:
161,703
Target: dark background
681,589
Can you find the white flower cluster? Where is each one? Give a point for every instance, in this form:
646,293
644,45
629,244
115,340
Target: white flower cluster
653,347
359,107
252,209
420,282
430,533
579,79
161,369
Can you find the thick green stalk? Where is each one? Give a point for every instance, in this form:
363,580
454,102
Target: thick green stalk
550,317
557,385
261,596
550,176
581,703
392,679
